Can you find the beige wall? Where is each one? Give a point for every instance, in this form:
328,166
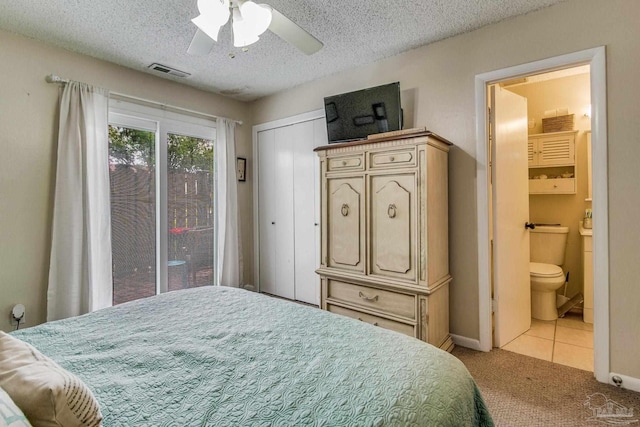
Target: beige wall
28,129
441,78
567,209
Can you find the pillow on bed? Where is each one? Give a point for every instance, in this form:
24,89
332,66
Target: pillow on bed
49,395
10,414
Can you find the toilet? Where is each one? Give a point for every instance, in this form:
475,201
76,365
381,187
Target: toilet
548,244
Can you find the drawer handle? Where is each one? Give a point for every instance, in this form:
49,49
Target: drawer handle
392,159
344,163
392,211
345,209
364,297
374,323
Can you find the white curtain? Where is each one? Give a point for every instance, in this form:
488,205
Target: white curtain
80,277
229,268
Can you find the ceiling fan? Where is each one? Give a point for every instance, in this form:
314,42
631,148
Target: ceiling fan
250,20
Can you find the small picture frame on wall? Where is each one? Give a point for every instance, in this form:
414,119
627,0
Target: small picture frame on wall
241,169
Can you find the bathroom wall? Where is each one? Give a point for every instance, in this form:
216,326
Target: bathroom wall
574,93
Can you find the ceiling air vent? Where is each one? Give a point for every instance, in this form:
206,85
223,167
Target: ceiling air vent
167,70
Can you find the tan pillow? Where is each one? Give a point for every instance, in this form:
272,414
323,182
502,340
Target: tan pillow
49,395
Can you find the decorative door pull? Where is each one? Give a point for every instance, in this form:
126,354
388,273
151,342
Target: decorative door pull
392,211
345,209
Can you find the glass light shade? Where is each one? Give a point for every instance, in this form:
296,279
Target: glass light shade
214,7
213,15
258,15
244,33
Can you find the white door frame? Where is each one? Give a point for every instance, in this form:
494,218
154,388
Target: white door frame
287,121
596,58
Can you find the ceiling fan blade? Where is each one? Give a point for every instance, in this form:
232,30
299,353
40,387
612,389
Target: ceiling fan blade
291,32
201,44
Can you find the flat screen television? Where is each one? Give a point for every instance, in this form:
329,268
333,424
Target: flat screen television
355,115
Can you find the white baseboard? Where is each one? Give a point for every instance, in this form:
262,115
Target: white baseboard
248,287
471,343
628,383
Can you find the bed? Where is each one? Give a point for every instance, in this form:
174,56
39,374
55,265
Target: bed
217,356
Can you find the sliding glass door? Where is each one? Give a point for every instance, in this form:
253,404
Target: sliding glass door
190,211
162,202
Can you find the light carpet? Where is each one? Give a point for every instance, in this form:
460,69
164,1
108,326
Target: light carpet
523,391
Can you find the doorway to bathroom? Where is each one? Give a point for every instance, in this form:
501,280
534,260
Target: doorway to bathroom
538,169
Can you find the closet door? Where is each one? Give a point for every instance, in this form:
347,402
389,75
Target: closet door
282,198
287,210
306,175
267,210
276,212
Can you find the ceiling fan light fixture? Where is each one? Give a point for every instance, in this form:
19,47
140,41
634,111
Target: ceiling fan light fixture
250,20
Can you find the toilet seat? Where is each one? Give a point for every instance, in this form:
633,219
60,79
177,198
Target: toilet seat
538,269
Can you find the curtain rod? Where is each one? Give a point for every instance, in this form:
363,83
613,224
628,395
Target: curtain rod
52,78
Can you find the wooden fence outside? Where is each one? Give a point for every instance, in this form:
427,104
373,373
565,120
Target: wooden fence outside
133,219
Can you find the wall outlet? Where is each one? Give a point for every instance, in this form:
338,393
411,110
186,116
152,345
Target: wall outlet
18,312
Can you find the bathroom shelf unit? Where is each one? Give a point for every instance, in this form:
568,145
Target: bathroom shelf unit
552,163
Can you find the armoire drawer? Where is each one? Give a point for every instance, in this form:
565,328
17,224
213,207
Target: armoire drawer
389,302
403,328
336,164
392,159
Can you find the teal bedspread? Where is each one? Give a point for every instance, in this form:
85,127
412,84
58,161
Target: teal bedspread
229,357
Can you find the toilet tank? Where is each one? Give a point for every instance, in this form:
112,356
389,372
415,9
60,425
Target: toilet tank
548,244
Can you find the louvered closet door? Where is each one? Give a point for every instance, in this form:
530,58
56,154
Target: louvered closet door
393,226
555,151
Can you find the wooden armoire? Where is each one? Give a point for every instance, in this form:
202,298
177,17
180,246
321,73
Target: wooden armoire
384,233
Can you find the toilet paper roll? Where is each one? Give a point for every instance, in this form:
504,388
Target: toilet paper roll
549,113
562,111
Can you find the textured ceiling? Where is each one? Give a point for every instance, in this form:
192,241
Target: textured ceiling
137,33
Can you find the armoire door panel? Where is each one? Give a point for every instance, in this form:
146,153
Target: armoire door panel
345,226
392,225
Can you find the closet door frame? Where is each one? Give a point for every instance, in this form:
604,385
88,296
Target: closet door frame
300,118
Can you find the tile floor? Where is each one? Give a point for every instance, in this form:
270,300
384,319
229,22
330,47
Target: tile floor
567,341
